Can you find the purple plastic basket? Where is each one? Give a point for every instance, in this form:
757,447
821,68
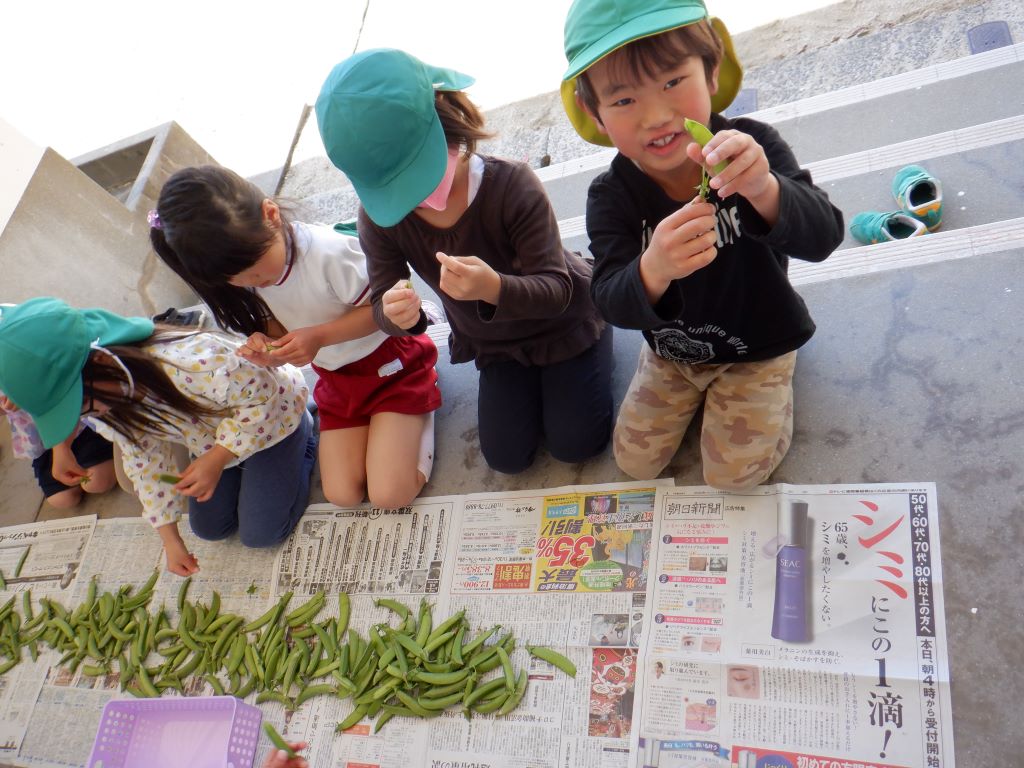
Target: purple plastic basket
200,732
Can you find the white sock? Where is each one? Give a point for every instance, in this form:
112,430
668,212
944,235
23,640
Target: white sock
425,463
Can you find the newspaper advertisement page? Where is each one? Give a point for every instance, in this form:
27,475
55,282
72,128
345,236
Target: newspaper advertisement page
564,568
368,553
124,552
41,559
796,627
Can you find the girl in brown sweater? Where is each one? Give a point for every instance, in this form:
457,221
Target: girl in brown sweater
479,231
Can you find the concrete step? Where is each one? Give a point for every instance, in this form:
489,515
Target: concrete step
955,244
980,167
931,102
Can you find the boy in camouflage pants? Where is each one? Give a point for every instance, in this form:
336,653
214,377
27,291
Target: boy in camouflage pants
704,279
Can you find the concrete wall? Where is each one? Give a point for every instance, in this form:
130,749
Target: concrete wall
84,237
18,160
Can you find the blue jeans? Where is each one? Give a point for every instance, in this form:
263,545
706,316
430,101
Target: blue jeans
567,405
263,497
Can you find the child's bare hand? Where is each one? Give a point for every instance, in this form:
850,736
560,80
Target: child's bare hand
469,278
278,758
200,478
257,349
401,305
748,173
6,404
298,347
65,467
683,242
179,559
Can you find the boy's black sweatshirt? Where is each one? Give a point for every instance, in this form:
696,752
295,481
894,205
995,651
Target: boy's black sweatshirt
741,307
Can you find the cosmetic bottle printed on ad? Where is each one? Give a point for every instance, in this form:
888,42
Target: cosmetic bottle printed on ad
789,619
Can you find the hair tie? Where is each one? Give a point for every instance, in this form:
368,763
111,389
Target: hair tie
154,219
131,381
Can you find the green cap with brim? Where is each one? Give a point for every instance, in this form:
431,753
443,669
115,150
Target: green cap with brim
380,127
596,28
44,343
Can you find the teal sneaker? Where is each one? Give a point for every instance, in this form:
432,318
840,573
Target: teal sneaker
919,194
871,227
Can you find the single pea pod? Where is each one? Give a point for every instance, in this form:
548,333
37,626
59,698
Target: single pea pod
441,702
307,693
344,611
169,479
280,698
394,606
381,721
21,562
352,719
506,665
443,678
277,741
183,592
699,133
554,658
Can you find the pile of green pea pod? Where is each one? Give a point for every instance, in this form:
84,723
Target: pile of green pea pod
414,669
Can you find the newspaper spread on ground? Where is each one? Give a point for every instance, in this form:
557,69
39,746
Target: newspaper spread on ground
125,551
43,559
796,626
703,631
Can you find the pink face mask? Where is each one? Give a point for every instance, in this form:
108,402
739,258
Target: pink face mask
438,199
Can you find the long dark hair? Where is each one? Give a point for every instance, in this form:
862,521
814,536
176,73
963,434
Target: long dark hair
155,396
210,229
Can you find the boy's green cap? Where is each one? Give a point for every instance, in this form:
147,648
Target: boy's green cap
44,344
595,28
379,125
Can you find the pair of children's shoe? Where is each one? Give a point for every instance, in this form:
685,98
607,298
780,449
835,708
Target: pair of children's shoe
919,196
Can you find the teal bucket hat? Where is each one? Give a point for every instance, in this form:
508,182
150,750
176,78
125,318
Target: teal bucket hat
44,344
596,28
380,127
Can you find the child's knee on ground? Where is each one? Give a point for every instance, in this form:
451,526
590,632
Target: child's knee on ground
638,463
393,492
68,499
343,493
741,467
101,478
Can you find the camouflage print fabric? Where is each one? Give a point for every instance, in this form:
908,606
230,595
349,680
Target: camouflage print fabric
748,418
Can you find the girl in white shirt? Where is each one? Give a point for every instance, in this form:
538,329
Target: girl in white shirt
301,295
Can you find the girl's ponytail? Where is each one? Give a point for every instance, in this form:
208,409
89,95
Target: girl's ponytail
208,227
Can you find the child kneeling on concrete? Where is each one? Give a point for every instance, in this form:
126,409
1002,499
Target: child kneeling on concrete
705,280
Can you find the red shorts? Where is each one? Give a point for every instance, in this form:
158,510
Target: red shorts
397,377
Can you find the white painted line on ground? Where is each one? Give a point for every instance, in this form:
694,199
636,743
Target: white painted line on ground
927,147
928,249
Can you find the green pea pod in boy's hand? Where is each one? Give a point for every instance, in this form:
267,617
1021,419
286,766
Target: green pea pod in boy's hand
700,133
